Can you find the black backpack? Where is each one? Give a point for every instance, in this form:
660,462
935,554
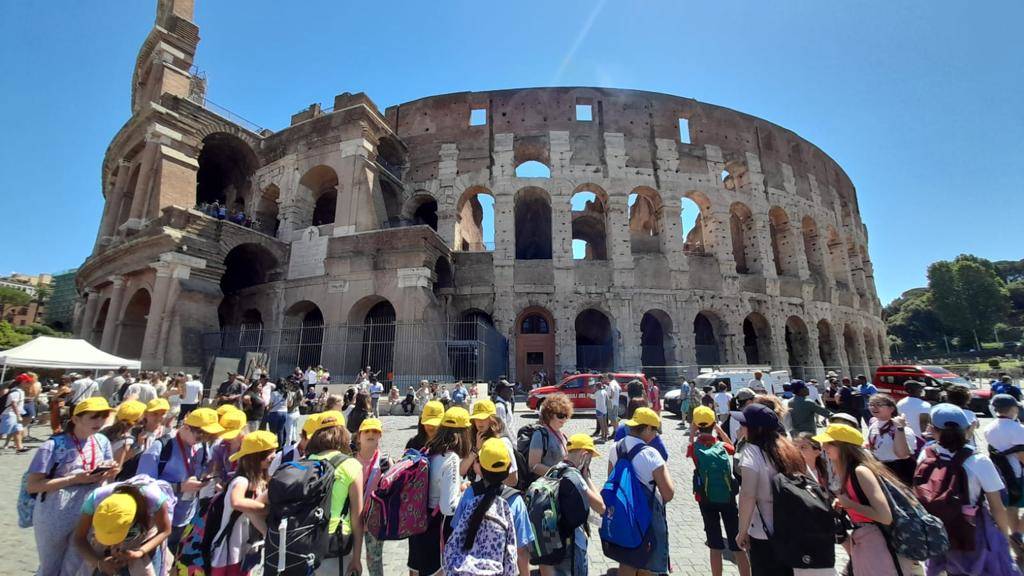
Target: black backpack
804,526
131,466
522,453
299,504
1014,489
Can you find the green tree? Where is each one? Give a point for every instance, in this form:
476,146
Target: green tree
912,321
967,295
13,297
10,337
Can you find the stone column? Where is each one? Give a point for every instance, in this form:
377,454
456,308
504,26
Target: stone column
816,368
89,317
155,317
112,207
112,323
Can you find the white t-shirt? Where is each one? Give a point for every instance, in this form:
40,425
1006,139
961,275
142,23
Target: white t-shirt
883,446
376,389
982,475
613,392
15,402
142,391
912,409
646,462
230,551
83,388
445,483
193,389
722,403
758,385
813,394
278,401
311,377
1003,434
601,401
752,458
511,454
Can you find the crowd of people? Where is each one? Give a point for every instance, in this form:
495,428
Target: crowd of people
145,475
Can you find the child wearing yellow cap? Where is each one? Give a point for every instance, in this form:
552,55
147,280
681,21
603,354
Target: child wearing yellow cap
120,432
122,524
487,425
375,463
430,420
230,441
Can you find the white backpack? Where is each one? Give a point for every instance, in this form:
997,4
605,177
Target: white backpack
493,552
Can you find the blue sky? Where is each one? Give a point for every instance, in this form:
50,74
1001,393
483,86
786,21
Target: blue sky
920,101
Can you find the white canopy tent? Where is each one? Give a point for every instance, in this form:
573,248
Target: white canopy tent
62,354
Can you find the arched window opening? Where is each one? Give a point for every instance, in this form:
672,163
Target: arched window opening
533,224
757,339
303,336
645,213
589,231
594,341
324,208
783,245
657,350
226,164
812,247
836,261
266,220
532,169
392,203
534,324
796,347
133,325
320,194
379,340
474,222
535,346
853,356
827,347
692,210
246,265
426,213
443,275
471,323
705,340
744,239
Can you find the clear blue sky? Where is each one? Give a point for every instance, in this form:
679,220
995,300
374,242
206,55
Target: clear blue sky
922,102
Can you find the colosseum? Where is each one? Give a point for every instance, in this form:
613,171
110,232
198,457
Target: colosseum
470,235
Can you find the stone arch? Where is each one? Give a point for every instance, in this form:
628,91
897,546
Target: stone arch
827,346
657,346
266,219
443,277
812,245
646,213
96,330
132,328
535,343
250,328
836,263
856,267
318,197
303,338
421,209
744,239
378,344
707,338
595,340
695,239
226,166
798,354
871,350
533,169
246,265
853,356
784,250
474,214
589,223
533,224
470,324
757,339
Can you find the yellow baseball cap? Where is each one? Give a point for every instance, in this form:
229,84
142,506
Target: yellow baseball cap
130,411
483,409
233,422
205,419
703,416
328,419
158,404
643,417
582,442
225,408
254,443
371,424
113,518
455,417
841,433
432,413
93,404
494,456
309,426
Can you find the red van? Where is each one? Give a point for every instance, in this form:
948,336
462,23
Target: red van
580,390
891,379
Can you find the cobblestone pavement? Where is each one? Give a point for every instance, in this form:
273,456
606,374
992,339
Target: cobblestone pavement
688,553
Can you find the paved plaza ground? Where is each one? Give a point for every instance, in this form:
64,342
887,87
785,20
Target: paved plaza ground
689,555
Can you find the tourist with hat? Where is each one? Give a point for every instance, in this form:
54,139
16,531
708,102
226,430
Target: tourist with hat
484,527
331,441
10,419
652,472
504,406
294,452
122,440
487,425
803,410
375,464
732,422
863,499
221,467
243,495
64,470
124,527
430,420
1005,438
452,443
181,462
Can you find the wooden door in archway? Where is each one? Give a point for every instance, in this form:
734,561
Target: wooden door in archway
535,346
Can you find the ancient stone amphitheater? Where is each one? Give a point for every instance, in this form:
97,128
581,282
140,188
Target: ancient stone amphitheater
471,234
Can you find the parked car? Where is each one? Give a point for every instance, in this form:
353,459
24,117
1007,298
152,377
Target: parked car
580,389
891,379
734,380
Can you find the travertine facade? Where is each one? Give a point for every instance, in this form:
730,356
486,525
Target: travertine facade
363,215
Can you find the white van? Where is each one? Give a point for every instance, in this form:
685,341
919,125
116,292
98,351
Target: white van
735,378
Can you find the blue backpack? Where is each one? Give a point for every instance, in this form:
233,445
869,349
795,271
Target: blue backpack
627,502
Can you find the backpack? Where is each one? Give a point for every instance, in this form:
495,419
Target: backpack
493,552
627,500
803,534
398,507
131,466
27,500
1014,487
523,437
555,511
941,487
913,533
299,505
712,477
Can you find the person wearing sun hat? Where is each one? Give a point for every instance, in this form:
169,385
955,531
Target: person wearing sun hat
242,495
375,464
124,522
122,441
229,442
64,470
183,464
430,420
295,452
452,443
486,425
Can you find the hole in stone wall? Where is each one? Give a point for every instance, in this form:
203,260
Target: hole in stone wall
584,113
532,169
684,130
478,117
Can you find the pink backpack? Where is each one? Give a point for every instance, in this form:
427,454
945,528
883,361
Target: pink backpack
398,507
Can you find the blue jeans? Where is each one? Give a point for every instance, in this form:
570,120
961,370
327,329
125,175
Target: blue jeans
277,421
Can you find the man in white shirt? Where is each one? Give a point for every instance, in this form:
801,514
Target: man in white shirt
913,407
601,410
722,399
142,391
193,396
311,378
614,390
757,383
376,389
83,387
1006,435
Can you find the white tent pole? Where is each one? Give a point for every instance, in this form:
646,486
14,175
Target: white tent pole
3,373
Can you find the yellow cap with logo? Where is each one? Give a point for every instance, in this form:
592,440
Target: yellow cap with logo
703,416
204,419
93,404
494,456
158,405
432,413
254,443
371,424
113,518
234,422
582,442
483,409
130,411
643,417
455,417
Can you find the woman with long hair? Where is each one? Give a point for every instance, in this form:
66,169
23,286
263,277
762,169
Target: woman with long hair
361,410
64,470
375,464
813,456
767,452
487,425
430,419
243,495
331,441
890,440
863,499
447,448
124,525
120,433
